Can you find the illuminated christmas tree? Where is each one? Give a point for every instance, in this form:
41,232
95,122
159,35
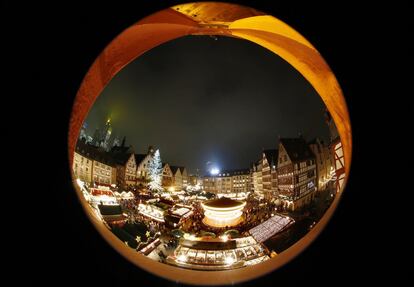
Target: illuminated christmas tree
155,172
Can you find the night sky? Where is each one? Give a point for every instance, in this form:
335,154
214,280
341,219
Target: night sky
200,99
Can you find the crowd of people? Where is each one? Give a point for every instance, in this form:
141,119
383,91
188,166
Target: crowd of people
193,224
130,207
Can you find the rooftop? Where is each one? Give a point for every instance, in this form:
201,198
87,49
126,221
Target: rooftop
297,149
223,202
174,168
93,153
271,155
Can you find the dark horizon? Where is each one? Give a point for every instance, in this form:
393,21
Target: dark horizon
200,99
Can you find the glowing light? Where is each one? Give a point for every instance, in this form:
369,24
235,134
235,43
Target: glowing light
229,260
223,216
182,258
224,238
151,211
79,182
171,189
190,236
214,171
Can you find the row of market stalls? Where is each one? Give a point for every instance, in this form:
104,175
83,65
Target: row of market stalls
105,201
164,211
222,253
124,195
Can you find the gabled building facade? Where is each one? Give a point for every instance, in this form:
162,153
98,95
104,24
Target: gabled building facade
126,167
127,172
184,176
296,173
93,165
269,173
337,152
258,178
167,176
82,164
324,162
142,161
180,178
103,169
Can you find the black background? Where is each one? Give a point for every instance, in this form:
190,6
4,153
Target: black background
49,48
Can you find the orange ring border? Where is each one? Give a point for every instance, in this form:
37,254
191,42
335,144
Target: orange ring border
241,22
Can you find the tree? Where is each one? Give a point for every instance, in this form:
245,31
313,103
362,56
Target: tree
155,171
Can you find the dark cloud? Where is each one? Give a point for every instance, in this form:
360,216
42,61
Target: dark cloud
200,99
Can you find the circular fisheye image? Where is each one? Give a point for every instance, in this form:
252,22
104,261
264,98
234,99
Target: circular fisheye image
209,143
